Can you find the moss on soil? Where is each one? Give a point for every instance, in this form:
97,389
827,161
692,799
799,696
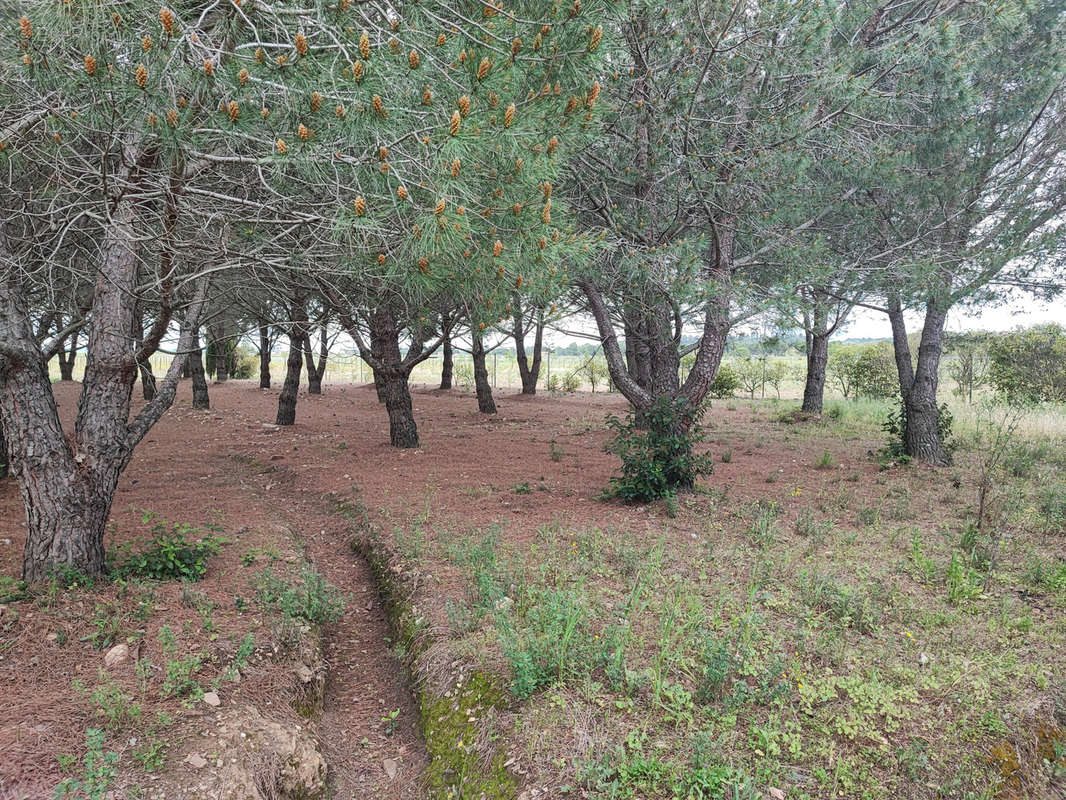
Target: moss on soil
453,724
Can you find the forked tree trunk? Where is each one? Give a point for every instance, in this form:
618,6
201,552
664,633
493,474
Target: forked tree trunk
638,360
315,372
485,403
67,353
817,358
201,400
264,356
290,389
68,486
922,437
716,324
447,367
528,369
385,333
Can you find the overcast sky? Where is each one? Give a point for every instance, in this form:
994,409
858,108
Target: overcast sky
1022,312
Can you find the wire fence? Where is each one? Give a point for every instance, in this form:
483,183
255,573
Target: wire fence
569,372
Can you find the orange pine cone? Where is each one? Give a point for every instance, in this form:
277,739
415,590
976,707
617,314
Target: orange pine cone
142,75
360,206
483,69
364,45
455,123
166,19
90,65
508,116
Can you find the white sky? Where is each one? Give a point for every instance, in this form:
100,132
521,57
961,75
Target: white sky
1023,312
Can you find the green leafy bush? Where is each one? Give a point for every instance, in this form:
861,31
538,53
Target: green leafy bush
1030,363
726,382
170,554
658,460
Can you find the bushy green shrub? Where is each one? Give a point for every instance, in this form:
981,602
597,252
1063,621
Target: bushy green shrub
864,370
658,456
1030,364
726,382
170,554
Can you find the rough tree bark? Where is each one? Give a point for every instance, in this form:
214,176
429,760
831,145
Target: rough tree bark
201,400
3,453
68,486
528,369
264,355
403,431
291,387
316,371
922,439
144,365
447,367
485,403
817,359
66,355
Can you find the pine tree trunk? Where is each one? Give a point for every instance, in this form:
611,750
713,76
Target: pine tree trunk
264,356
391,379
3,452
314,376
817,358
485,403
922,439
447,367
403,431
200,398
528,370
290,389
67,354
68,486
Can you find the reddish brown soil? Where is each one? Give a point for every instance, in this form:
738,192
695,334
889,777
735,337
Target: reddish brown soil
260,482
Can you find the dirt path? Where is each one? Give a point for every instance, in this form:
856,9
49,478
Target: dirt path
368,726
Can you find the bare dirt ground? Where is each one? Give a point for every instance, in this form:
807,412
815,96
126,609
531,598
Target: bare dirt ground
282,495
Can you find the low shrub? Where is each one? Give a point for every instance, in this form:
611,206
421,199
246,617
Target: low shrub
170,554
657,452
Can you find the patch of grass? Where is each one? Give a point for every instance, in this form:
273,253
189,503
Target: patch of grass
847,606
825,461
310,597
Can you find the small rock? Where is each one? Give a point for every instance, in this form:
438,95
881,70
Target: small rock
304,673
211,698
196,761
390,767
923,658
116,655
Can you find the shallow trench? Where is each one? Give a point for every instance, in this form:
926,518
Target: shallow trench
368,727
